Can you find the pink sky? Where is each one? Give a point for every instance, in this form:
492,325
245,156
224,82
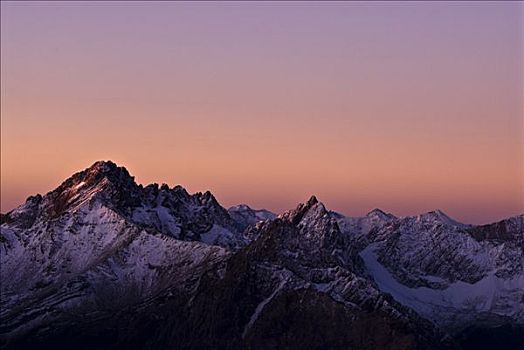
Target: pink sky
403,106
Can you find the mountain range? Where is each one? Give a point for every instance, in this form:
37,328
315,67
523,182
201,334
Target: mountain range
102,262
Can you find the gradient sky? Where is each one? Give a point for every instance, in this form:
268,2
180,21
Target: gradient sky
403,106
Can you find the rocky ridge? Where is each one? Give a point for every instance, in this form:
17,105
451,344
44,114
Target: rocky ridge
145,265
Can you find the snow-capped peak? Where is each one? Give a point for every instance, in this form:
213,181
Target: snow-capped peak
438,216
240,207
246,216
380,214
100,176
100,243
311,209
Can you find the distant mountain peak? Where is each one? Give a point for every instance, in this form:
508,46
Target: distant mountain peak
246,216
378,213
439,216
437,213
240,207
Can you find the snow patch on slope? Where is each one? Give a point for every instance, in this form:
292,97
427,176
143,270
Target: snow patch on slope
261,306
218,235
482,296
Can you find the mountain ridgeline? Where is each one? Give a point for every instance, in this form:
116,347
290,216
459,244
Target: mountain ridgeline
104,263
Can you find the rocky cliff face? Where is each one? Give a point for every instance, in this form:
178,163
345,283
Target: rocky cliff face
102,262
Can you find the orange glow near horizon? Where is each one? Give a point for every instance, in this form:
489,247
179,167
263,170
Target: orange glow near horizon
407,108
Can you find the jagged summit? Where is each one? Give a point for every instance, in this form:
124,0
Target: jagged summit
103,182
315,227
105,168
99,176
312,200
105,187
312,208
